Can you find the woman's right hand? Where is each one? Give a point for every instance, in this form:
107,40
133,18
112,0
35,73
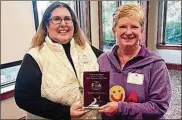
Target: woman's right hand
76,111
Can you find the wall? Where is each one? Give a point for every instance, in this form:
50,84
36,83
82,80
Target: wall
170,56
94,23
9,110
17,29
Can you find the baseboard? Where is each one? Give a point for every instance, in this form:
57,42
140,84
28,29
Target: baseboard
7,95
23,118
174,66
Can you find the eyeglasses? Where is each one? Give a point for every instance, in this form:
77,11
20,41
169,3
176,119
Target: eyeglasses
58,20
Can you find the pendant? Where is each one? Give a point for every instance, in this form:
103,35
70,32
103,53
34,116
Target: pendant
81,89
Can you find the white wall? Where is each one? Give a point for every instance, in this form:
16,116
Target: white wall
170,56
9,110
17,29
94,23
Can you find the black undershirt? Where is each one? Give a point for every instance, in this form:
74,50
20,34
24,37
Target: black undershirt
67,51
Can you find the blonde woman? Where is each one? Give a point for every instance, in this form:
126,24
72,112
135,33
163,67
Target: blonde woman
51,75
139,84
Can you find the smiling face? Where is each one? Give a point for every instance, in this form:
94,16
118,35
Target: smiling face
116,93
62,32
128,31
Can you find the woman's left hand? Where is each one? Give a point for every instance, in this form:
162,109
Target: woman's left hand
110,108
76,110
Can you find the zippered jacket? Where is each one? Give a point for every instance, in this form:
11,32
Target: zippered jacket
141,88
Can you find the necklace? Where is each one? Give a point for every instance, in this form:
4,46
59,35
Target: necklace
123,59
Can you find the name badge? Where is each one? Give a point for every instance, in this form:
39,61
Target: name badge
135,78
84,59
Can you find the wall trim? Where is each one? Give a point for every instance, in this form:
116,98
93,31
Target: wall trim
7,95
171,66
11,64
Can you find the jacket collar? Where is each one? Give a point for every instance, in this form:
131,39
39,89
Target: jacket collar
57,47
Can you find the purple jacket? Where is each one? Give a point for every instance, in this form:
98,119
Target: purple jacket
142,88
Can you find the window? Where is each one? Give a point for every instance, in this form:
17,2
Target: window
106,9
9,73
42,5
81,9
169,25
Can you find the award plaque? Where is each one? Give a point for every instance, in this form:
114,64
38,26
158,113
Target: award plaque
96,89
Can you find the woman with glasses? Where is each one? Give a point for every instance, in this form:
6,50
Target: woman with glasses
49,83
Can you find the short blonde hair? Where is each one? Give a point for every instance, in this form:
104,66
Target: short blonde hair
128,10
